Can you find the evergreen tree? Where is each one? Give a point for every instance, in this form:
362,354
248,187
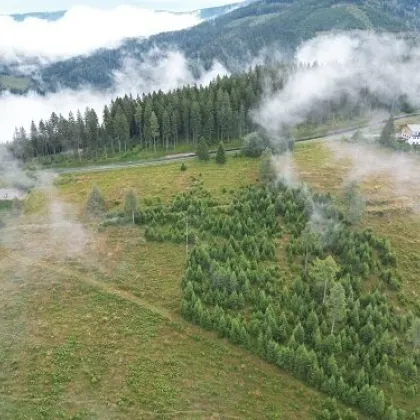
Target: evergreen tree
138,116
121,129
388,134
324,271
267,170
154,128
354,203
221,154
175,127
310,244
166,129
203,150
195,121
130,204
336,304
95,205
414,333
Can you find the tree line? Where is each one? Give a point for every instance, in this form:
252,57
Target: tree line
218,112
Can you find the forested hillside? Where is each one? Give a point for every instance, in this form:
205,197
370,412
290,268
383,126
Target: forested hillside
241,34
218,112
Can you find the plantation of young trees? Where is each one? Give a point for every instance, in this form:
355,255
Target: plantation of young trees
324,324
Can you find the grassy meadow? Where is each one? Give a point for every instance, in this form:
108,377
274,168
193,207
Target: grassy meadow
99,335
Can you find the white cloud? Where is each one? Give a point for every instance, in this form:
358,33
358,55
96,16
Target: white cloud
159,71
385,63
82,30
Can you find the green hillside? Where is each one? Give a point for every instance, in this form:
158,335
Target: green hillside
108,331
233,37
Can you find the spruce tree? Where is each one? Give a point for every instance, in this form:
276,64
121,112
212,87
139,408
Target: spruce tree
95,205
203,150
221,154
336,304
355,204
414,333
267,169
130,204
154,128
388,135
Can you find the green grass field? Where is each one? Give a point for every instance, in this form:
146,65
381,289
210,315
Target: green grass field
99,335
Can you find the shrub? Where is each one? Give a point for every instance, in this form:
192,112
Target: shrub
254,144
183,167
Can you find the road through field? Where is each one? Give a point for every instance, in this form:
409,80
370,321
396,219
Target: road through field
185,156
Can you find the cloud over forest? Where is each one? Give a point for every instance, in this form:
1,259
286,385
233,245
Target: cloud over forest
159,71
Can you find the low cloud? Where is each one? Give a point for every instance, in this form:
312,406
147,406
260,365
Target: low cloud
83,30
159,71
346,63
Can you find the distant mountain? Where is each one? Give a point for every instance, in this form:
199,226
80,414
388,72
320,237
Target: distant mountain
234,34
205,14
51,16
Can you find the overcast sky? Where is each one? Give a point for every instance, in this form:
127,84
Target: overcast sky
21,6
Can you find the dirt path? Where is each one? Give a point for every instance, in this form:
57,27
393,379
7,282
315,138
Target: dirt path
87,279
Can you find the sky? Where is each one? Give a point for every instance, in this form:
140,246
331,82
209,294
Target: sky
23,6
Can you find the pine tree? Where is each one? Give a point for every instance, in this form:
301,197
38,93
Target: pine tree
203,150
121,128
154,128
336,304
299,334
175,127
267,170
138,117
388,134
130,204
324,271
221,154
195,121
166,128
354,203
95,205
414,333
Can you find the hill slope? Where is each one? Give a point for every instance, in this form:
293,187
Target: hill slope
234,37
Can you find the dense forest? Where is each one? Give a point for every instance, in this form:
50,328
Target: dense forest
218,112
284,273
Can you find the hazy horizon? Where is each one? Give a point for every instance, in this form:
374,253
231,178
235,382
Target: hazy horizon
27,6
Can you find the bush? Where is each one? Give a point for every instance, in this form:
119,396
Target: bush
183,167
254,144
